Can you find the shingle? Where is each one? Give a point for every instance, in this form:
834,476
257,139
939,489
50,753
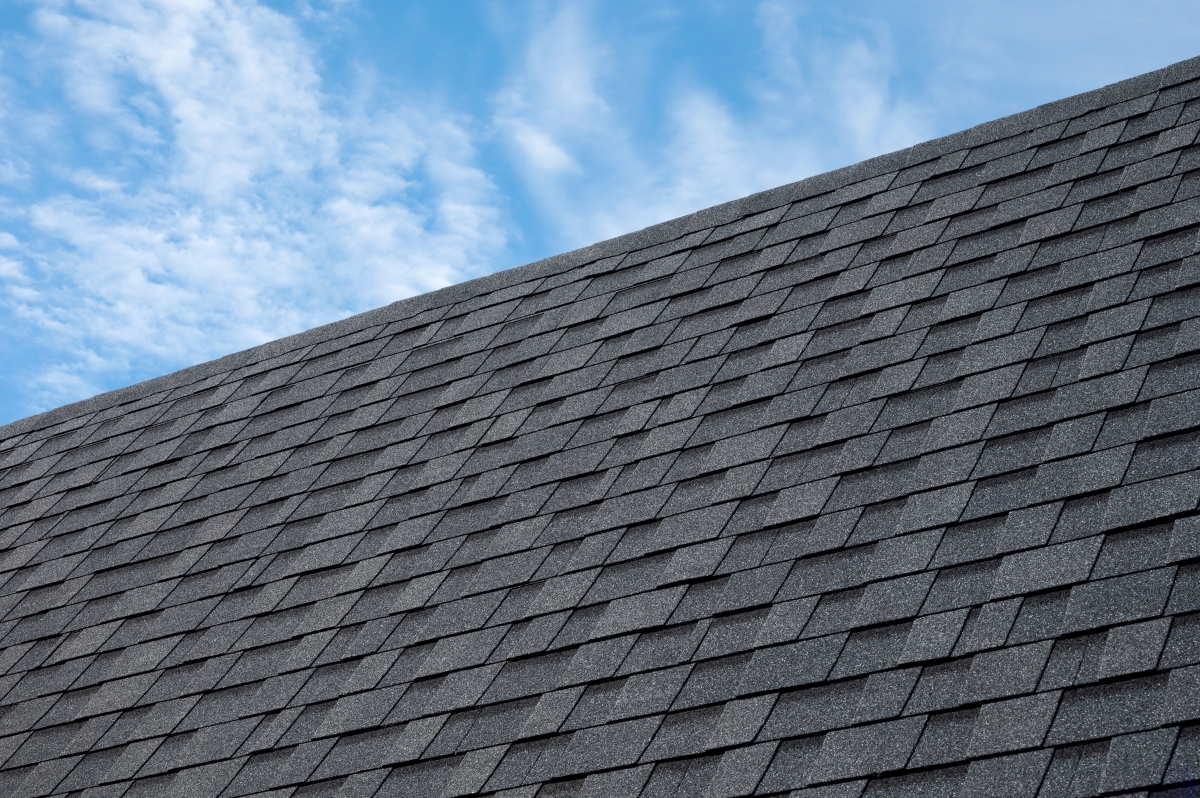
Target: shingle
1075,769
1017,775
1005,672
550,712
652,650
1108,709
1028,527
790,765
1137,760
514,768
732,633
1134,648
1182,767
892,600
713,681
1074,661
1185,539
785,621
865,750
1082,474
871,650
360,711
644,610
473,771
802,501
1183,642
1180,702
933,636
941,783
668,777
1038,569
650,693
412,778
813,709
988,626
961,586
1152,499
617,744
885,694
1080,517
601,660
740,770
828,572
594,705
1123,598
795,664
1013,724
1040,617
936,507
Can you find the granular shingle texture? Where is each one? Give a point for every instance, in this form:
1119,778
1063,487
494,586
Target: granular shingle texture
883,483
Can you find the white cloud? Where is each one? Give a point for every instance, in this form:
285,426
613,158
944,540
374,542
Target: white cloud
573,144
10,269
827,101
221,198
552,105
841,80
325,11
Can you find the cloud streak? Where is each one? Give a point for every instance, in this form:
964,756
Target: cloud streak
818,104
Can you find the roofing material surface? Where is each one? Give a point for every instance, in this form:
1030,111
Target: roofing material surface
883,483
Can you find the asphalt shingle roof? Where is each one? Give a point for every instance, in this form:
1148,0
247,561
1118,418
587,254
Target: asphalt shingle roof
883,483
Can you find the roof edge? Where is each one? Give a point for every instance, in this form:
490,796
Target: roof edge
984,133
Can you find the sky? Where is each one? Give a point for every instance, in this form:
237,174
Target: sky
182,179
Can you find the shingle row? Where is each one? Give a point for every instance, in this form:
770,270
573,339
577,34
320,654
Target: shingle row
881,484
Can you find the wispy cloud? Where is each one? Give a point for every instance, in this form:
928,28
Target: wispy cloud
843,81
208,195
560,108
818,104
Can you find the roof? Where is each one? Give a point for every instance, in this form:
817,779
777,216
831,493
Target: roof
883,483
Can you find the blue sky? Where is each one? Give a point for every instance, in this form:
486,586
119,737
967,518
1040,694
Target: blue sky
181,179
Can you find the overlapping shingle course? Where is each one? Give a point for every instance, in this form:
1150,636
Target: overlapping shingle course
883,483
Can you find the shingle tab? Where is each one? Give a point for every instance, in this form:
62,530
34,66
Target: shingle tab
866,750
883,483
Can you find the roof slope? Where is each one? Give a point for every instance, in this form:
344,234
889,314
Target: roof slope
883,483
